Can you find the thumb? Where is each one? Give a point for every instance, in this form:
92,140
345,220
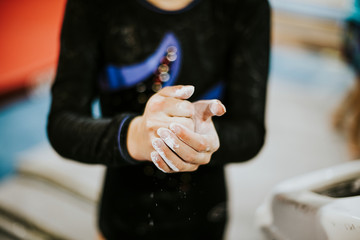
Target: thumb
208,108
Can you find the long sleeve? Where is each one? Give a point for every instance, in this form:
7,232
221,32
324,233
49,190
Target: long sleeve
72,130
242,129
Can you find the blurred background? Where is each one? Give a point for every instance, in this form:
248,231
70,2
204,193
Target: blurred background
41,197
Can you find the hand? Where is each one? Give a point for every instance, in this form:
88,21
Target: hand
183,149
167,106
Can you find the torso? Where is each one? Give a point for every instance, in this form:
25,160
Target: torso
140,198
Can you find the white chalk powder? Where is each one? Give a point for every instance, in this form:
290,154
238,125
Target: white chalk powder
185,92
154,159
168,139
162,154
171,143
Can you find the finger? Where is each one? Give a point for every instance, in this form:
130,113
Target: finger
179,91
159,163
178,108
172,107
217,108
170,158
186,122
208,108
160,148
184,151
199,142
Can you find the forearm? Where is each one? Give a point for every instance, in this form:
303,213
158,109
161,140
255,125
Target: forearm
88,140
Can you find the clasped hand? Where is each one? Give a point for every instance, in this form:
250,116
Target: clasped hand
173,133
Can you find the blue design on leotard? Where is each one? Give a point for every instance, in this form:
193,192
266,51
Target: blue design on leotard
216,92
121,77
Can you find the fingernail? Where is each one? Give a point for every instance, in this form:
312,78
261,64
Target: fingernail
185,91
175,128
213,107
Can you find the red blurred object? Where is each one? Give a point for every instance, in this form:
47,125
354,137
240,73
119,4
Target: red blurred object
29,40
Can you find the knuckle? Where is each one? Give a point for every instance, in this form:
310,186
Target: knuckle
190,157
203,145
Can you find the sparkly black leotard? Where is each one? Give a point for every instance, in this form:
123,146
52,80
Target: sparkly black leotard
119,52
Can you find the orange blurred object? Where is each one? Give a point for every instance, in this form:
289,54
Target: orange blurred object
29,40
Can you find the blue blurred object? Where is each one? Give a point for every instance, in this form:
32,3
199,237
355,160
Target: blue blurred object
355,13
351,39
22,125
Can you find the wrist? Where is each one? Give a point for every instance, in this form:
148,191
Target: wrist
133,140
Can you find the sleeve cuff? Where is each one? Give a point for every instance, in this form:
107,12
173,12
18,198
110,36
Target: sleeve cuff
121,139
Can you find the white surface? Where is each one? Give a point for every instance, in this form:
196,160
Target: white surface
341,219
295,212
